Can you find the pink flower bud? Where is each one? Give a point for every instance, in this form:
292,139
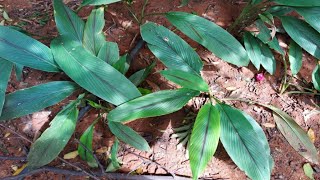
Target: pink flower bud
260,77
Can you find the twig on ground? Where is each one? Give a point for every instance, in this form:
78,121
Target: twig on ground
11,158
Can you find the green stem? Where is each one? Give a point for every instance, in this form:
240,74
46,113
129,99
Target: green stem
284,84
143,9
299,92
132,13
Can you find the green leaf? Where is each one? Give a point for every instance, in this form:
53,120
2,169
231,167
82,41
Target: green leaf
268,61
204,138
19,71
5,72
311,15
92,74
22,49
151,105
295,135
94,38
69,24
303,3
98,2
52,141
252,46
86,140
173,51
295,57
186,80
122,66
256,1
308,171
211,36
36,98
267,18
304,35
245,143
109,52
114,165
138,77
316,77
279,10
128,135
274,44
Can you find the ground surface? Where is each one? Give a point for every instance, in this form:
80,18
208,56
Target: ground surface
36,17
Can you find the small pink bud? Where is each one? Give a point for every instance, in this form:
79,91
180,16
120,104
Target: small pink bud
260,77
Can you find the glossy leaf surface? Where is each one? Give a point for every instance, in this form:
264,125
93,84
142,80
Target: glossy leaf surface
303,3
245,143
186,79
211,36
36,98
22,49
94,75
109,53
151,105
86,140
316,77
98,2
52,141
139,76
204,138
253,48
128,135
5,72
173,51
295,57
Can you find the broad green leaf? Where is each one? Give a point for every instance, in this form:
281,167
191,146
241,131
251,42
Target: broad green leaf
144,91
265,36
5,72
303,3
151,105
128,135
308,171
267,18
36,98
98,2
93,38
204,138
304,35
52,141
139,76
252,46
86,140
268,61
69,24
186,79
316,77
22,49
122,66
264,32
211,36
279,10
295,57
109,53
295,135
94,75
245,143
311,15
18,71
173,51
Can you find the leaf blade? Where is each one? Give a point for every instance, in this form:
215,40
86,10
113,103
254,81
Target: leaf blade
186,80
93,38
307,3
109,53
242,140
48,146
316,77
304,35
204,138
27,101
211,36
22,49
154,104
128,135
68,23
310,15
173,51
5,72
295,57
253,48
86,140
98,2
92,74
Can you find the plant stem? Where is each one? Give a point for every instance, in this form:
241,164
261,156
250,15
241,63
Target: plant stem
143,9
284,84
299,92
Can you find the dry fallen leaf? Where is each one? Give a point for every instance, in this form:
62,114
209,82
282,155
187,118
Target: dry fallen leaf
102,150
269,125
7,135
139,171
18,171
14,167
311,135
71,155
231,88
